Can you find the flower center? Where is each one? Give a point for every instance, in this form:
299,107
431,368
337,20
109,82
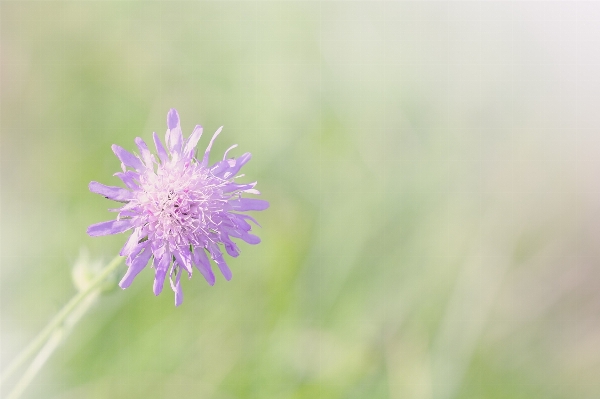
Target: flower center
178,203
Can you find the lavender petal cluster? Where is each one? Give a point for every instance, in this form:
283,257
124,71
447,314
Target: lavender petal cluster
181,210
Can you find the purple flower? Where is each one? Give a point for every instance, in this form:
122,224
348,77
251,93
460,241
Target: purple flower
179,208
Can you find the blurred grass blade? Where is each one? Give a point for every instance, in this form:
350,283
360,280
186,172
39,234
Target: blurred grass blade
72,308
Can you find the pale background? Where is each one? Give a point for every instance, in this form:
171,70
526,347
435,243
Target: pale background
434,177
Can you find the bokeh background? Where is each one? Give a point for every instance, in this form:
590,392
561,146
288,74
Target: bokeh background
434,177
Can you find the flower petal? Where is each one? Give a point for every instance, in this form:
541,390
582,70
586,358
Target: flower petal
219,168
174,137
229,149
184,258
127,158
231,248
203,265
192,142
160,149
131,242
239,162
158,247
248,204
110,227
126,213
160,271
207,152
217,257
172,119
244,216
129,178
235,187
177,288
146,155
135,252
249,238
239,222
139,263
111,192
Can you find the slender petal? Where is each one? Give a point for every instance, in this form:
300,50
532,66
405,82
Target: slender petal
203,265
207,152
190,146
172,119
240,222
239,162
113,193
125,213
217,257
146,155
177,289
160,271
135,251
110,227
231,248
131,242
159,248
248,204
249,238
219,168
129,178
160,149
127,158
229,149
228,188
139,263
184,258
241,215
174,135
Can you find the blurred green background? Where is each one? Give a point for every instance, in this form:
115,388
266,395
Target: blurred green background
434,177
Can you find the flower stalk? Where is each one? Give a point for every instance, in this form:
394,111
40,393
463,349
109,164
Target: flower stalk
48,339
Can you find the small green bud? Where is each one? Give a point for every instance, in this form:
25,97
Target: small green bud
85,270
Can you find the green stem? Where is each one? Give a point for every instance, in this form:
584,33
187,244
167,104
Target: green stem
58,335
58,320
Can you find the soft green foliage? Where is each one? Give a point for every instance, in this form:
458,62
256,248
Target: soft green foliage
433,171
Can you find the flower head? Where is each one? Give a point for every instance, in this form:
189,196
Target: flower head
181,210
